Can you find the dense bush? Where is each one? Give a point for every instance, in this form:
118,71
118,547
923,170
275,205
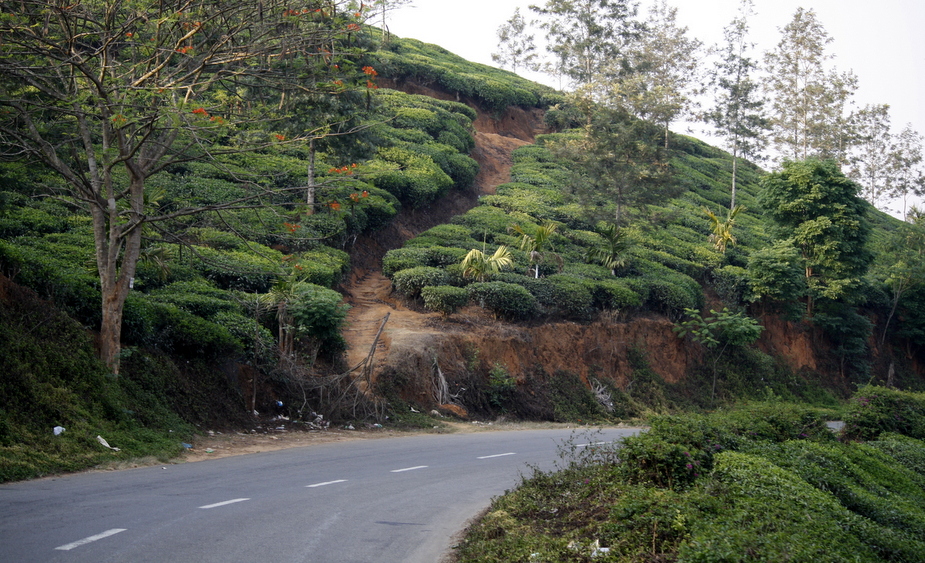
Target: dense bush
874,410
444,299
614,295
318,314
505,300
409,282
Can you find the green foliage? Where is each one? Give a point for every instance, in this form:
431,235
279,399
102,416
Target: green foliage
318,314
444,299
51,377
409,282
874,410
500,386
494,89
615,295
818,209
505,300
766,482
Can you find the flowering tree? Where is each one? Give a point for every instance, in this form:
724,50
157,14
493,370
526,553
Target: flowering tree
108,93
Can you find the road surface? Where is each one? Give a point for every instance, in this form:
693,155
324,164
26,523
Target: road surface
395,500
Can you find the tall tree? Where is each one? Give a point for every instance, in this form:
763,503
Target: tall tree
617,163
516,46
738,113
808,101
108,93
383,8
817,210
869,164
905,270
906,171
665,64
587,38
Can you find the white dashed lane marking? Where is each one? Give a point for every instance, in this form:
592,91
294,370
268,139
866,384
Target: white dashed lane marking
496,455
409,469
217,504
326,483
91,539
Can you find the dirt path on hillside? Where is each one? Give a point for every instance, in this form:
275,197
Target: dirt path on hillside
369,292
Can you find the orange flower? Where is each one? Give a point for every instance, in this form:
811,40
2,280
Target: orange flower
201,111
334,205
280,137
370,71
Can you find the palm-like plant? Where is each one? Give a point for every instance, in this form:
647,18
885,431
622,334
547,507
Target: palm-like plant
537,244
479,265
612,254
721,235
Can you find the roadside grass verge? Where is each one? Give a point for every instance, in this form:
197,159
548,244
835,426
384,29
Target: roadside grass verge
761,482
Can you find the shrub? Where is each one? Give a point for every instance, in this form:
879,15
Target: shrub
614,295
444,299
874,410
318,314
199,298
403,259
570,297
505,300
410,282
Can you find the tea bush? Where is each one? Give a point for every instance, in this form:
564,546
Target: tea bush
409,282
444,299
505,300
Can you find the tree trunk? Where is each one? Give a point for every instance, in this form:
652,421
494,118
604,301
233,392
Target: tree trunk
118,245
310,190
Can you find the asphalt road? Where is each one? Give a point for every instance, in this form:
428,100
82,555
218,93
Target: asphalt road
397,500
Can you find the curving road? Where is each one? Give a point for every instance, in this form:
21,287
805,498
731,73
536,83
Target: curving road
392,500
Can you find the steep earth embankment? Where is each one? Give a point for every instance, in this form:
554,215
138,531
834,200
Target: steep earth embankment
368,291
414,342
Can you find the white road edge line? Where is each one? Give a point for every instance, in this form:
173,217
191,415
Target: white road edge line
217,504
326,483
409,469
591,444
496,455
78,543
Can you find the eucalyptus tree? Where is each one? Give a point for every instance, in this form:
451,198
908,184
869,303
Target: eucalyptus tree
108,93
588,38
738,113
617,163
516,45
664,63
906,170
808,100
870,160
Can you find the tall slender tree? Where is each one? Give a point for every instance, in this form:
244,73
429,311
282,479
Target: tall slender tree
738,113
906,167
109,93
869,164
516,46
587,38
664,62
808,100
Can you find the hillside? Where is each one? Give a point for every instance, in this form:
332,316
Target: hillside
455,155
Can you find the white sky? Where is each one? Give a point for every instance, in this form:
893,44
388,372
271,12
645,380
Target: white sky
882,41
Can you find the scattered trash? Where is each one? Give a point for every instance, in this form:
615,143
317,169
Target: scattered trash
105,444
413,409
349,427
210,451
210,432
187,446
435,412
283,428
58,430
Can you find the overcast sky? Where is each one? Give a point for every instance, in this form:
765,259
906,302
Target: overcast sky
882,41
